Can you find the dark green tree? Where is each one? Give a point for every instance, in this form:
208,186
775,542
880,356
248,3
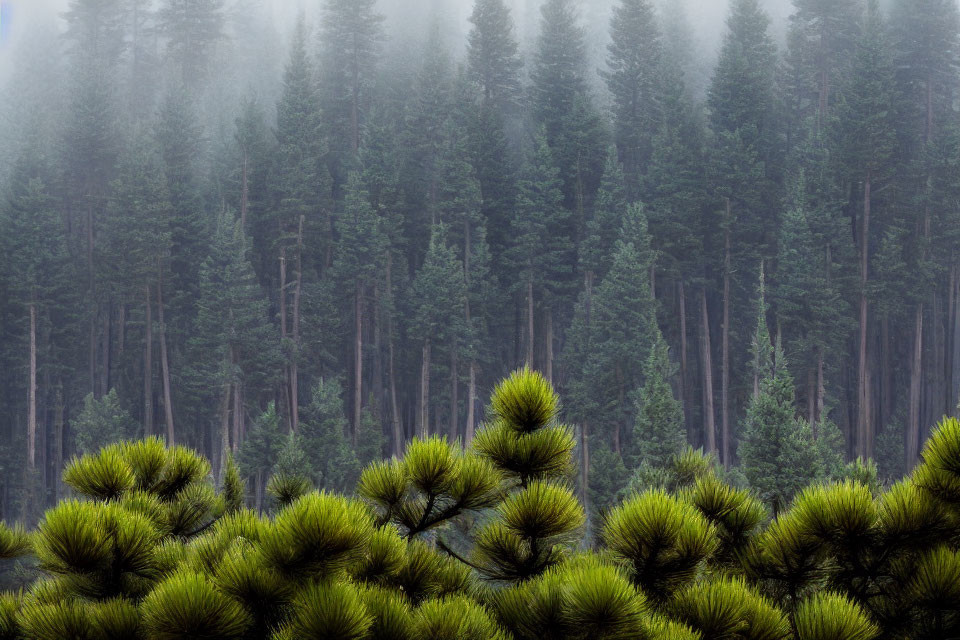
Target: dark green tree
659,431
192,29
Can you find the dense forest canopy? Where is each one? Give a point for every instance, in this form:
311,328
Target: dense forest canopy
306,233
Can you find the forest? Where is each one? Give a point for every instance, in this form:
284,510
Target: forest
303,243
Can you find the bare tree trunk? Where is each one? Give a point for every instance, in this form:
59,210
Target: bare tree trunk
916,373
122,326
394,409
425,390
709,427
225,446
237,404
357,365
93,317
454,394
58,445
294,375
283,334
549,336
684,382
105,348
471,402
32,392
863,393
725,349
148,367
529,358
821,385
355,106
244,189
165,368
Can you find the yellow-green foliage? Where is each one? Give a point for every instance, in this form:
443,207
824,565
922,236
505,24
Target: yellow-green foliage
149,550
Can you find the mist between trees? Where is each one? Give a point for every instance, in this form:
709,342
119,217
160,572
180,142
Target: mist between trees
307,243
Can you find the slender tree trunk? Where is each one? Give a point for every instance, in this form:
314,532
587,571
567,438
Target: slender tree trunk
93,317
471,427
122,329
357,364
58,444
394,409
283,335
916,373
244,189
425,390
709,428
684,382
32,392
529,357
549,336
165,368
225,446
886,388
355,106
105,348
454,394
237,404
821,385
725,347
148,366
294,374
863,393
812,400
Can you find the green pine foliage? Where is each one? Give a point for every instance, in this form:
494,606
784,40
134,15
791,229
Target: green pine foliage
150,549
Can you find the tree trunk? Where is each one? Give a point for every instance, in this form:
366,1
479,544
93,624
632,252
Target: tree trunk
424,427
283,334
529,357
93,317
549,336
725,347
244,189
237,404
32,392
916,373
148,367
394,409
165,368
821,385
684,382
585,465
355,106
863,393
812,400
294,374
709,428
357,363
471,427
454,394
105,348
225,446
58,444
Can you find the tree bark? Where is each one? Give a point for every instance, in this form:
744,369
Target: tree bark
684,382
725,348
165,368
710,432
424,426
225,446
454,394
148,367
529,357
394,409
32,392
549,337
471,427
357,363
916,373
863,393
294,374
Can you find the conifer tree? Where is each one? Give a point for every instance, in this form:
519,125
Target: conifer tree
492,54
332,461
542,250
350,33
192,29
439,298
634,62
659,431
102,422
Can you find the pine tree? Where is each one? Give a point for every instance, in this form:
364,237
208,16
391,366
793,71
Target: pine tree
542,250
634,63
102,422
777,450
868,142
234,348
350,33
659,432
333,462
439,298
492,55
192,29
562,106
